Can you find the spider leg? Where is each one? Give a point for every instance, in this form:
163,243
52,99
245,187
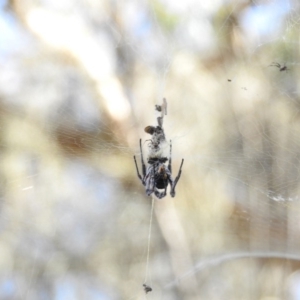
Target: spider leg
137,170
142,159
176,180
170,158
142,179
275,64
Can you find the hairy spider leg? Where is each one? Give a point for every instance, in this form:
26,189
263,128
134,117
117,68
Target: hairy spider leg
170,158
176,180
143,165
275,64
142,159
137,170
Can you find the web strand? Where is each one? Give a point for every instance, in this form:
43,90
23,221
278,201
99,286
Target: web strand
149,240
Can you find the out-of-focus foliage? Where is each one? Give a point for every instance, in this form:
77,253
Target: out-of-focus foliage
78,84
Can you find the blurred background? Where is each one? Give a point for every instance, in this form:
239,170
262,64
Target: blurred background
78,84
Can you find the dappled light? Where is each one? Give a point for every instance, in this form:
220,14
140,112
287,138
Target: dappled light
79,81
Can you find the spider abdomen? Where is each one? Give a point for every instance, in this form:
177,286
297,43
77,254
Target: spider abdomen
161,183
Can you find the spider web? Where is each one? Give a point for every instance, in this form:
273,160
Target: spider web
78,85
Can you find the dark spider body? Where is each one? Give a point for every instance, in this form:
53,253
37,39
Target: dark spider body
160,173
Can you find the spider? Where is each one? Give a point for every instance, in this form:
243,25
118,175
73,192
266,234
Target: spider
157,176
279,66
